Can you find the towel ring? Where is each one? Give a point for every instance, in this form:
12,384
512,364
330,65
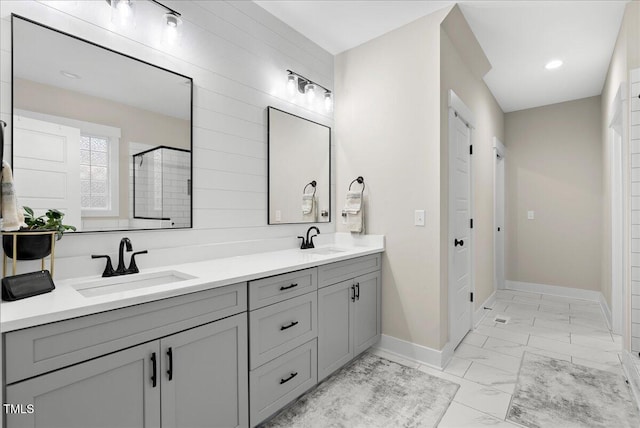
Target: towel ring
360,180
312,184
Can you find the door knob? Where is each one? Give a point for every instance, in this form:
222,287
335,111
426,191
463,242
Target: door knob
458,242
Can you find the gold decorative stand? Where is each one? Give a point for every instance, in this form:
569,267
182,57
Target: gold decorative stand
15,249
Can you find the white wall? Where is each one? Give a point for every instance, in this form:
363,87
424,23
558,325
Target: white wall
388,131
237,54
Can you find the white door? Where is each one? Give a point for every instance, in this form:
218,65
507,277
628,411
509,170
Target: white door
499,232
460,230
46,167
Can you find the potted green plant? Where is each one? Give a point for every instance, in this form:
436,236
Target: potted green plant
30,244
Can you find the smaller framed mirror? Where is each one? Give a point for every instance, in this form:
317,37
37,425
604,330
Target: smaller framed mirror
299,169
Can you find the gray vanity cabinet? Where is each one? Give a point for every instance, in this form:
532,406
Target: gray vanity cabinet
204,379
348,321
110,391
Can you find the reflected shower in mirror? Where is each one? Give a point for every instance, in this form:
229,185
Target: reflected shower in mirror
299,169
81,112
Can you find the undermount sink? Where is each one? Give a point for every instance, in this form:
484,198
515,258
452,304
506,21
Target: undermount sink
117,284
325,251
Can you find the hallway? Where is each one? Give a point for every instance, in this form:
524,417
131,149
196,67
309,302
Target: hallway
486,363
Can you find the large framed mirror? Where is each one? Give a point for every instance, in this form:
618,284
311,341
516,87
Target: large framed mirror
299,169
102,136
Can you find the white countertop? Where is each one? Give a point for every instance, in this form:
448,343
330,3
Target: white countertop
66,302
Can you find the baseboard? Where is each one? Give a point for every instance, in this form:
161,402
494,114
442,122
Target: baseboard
606,311
633,376
481,312
554,290
437,359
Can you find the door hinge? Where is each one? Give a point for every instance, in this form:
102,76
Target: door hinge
471,296
471,223
471,149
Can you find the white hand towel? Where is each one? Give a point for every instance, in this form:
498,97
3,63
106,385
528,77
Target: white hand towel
12,217
355,222
307,203
309,208
354,202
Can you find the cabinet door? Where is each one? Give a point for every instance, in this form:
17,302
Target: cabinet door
205,376
335,327
114,391
367,311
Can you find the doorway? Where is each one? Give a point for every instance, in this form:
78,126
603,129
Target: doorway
460,218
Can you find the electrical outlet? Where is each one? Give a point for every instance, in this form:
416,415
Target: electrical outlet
418,218
278,215
531,215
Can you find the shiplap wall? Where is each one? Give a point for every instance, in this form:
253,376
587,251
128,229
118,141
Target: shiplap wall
237,54
635,207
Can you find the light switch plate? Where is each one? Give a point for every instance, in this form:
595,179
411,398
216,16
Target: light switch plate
418,218
531,215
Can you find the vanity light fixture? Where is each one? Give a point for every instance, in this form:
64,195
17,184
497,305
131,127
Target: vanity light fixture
309,88
552,65
123,14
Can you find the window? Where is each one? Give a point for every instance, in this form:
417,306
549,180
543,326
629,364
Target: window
94,173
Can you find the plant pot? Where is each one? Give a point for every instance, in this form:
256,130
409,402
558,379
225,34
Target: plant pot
30,246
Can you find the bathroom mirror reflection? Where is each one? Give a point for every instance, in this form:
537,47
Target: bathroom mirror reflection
83,117
299,169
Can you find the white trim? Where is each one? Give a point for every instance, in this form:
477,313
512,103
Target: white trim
499,150
437,359
606,311
554,290
481,312
456,103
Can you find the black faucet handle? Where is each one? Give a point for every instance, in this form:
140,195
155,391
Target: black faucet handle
303,245
108,269
310,244
133,268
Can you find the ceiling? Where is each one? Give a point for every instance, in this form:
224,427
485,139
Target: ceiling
518,38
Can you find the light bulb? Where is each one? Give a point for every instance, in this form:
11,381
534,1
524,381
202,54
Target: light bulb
291,85
172,30
123,13
328,101
310,91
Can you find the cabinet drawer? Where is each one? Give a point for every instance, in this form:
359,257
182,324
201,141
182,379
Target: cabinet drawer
277,288
282,380
279,328
48,347
341,271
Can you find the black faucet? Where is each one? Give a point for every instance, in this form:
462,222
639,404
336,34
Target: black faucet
133,268
120,270
308,243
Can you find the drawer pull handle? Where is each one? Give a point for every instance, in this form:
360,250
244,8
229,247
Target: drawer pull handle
357,291
353,293
170,371
284,327
154,369
288,287
294,374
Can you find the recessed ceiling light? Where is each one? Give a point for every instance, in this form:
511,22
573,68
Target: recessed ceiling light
69,74
556,63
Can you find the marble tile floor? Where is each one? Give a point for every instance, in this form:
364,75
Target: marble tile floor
486,363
